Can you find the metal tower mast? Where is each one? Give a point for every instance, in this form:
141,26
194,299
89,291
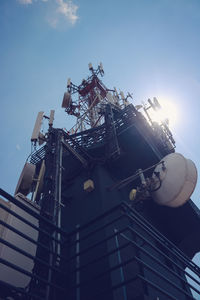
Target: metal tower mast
87,101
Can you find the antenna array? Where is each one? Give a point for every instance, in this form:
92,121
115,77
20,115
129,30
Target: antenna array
86,102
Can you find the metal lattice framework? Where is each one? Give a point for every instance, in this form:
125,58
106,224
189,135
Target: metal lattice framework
89,106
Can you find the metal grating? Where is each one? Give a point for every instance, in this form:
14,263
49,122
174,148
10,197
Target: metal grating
37,155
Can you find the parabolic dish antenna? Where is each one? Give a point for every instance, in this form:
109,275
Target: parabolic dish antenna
178,178
26,179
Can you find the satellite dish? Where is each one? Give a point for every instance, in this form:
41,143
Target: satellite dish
26,179
178,178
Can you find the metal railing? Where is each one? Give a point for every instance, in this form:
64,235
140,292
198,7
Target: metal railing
96,137
162,265
42,284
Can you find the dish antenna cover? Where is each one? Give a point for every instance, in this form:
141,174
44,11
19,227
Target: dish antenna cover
178,177
26,179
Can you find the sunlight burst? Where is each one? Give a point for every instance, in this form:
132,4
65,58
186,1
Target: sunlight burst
167,113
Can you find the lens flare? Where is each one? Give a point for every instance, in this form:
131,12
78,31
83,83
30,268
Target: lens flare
167,113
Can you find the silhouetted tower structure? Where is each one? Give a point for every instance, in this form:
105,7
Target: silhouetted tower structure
115,217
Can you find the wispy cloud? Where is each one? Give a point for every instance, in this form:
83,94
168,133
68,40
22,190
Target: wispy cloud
62,8
25,1
29,1
68,9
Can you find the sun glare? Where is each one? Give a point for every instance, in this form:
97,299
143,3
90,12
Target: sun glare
167,112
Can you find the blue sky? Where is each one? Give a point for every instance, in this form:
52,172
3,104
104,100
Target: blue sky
148,47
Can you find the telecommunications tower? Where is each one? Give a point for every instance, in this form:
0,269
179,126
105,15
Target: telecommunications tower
101,210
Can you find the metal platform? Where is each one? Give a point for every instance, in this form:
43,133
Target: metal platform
124,120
